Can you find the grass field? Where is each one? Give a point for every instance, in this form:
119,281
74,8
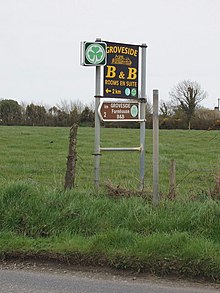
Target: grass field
81,226
38,154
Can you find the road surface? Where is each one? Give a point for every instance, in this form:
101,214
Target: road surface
17,281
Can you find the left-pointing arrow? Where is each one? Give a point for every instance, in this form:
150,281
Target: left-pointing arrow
108,91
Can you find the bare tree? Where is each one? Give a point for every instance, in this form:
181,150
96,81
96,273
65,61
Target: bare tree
166,108
77,104
69,105
188,94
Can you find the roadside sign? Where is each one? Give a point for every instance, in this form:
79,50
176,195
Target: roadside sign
121,71
119,111
93,53
117,64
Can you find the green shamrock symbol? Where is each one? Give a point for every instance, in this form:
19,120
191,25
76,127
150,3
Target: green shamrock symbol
95,54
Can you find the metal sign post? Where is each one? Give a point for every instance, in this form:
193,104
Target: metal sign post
142,115
156,195
97,124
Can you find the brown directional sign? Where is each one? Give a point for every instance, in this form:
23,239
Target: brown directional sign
121,71
118,111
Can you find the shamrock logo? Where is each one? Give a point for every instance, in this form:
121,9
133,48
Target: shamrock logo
95,53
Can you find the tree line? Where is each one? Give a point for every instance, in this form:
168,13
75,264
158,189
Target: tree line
13,113
182,111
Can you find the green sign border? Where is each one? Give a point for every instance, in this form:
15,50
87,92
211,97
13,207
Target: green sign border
87,46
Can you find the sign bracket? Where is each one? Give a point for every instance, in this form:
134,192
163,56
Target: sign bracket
121,149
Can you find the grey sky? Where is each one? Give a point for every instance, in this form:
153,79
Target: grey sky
40,45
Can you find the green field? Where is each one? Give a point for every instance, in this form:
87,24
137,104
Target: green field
83,226
38,155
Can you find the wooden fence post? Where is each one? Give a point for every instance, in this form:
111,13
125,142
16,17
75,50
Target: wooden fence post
71,158
172,180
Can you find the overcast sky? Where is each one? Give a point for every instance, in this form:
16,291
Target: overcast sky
40,45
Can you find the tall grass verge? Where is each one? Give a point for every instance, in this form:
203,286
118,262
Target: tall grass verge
127,233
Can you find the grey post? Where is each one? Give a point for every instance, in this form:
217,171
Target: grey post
97,123
142,114
156,196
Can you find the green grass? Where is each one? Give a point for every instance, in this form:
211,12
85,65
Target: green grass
84,226
38,155
177,237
